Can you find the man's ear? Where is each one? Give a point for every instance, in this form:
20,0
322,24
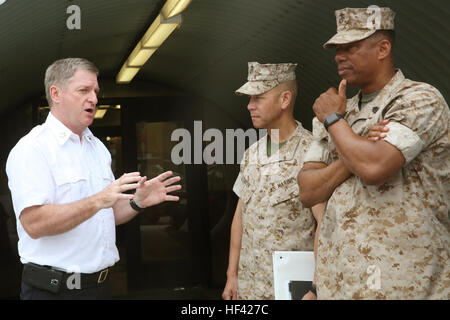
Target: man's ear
384,49
55,93
286,97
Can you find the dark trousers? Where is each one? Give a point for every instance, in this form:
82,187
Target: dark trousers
100,292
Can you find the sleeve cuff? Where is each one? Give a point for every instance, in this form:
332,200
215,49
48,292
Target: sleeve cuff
319,131
30,202
238,185
316,153
405,140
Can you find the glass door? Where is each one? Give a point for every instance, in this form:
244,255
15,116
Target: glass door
163,228
168,254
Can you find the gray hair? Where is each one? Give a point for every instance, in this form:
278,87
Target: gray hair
60,72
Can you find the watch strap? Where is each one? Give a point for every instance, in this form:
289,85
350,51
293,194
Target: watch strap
135,206
332,118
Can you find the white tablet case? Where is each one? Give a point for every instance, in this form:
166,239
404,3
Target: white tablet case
291,266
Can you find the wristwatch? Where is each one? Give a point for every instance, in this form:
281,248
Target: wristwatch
135,206
332,118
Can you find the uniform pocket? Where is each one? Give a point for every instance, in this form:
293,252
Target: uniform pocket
106,179
69,185
247,194
249,181
284,190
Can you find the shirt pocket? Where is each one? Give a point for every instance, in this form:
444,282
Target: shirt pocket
70,185
247,194
249,182
364,122
103,178
107,179
284,191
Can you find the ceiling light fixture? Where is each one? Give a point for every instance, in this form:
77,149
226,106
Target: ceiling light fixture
100,113
102,109
161,28
173,7
126,74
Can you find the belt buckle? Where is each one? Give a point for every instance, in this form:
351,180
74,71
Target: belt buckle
102,276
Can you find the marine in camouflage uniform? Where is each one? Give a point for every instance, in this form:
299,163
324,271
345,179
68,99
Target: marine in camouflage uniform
399,230
273,219
392,240
272,216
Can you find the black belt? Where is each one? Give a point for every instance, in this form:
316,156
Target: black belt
51,279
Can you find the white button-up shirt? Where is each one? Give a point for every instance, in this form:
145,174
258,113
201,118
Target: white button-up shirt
50,165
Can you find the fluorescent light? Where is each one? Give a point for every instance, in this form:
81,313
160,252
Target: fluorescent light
159,31
173,7
126,74
140,55
100,113
162,27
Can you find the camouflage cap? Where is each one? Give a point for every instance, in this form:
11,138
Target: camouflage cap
263,77
354,24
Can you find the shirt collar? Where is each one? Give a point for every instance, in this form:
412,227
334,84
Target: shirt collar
62,133
395,81
290,146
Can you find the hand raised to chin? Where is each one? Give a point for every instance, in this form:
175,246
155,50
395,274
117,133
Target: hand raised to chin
331,101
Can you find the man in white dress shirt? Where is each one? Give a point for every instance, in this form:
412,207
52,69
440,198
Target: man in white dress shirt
66,199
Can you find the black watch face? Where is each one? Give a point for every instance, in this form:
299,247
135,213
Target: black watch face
329,120
332,118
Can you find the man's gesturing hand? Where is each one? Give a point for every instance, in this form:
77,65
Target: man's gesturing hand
115,191
154,191
331,101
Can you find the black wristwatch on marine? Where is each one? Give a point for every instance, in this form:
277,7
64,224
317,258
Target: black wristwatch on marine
332,118
135,206
313,289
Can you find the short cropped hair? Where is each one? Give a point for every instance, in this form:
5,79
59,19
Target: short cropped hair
387,34
60,72
291,86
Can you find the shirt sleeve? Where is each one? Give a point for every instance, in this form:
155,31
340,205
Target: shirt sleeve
417,119
108,159
318,151
239,185
29,177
